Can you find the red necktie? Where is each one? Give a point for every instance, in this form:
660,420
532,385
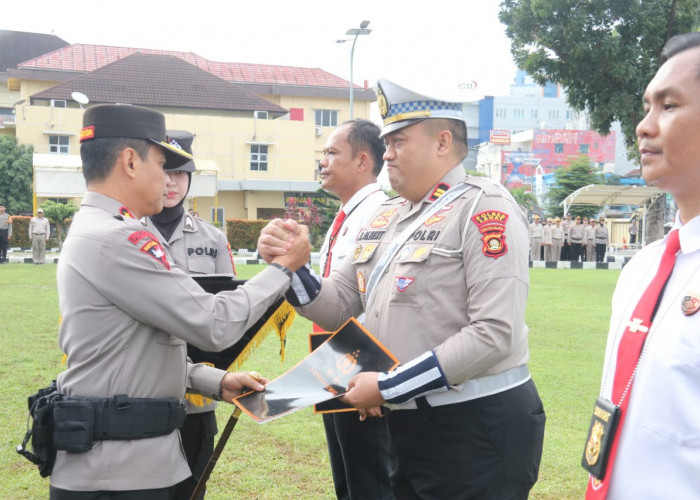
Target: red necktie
630,349
337,223
339,218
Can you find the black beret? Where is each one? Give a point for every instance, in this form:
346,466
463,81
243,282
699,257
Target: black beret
123,120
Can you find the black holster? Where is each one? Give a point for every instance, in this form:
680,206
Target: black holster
43,453
73,423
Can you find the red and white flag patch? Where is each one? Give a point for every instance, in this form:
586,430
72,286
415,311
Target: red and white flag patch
151,246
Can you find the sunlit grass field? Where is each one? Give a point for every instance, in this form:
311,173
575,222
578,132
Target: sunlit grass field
568,312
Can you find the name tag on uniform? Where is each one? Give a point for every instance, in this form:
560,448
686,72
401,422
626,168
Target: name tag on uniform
600,437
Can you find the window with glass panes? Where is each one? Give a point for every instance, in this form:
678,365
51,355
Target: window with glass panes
58,144
258,157
326,118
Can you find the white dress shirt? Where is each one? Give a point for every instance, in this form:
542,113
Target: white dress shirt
659,450
357,210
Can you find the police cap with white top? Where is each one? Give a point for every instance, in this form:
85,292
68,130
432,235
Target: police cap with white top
401,107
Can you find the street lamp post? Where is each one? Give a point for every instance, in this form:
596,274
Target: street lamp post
362,30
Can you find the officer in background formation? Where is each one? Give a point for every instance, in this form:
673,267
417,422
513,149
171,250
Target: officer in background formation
566,226
601,240
196,247
633,231
352,160
557,240
535,238
39,232
5,233
547,240
442,274
128,313
589,241
576,238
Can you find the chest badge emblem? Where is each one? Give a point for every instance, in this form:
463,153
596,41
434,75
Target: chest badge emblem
690,304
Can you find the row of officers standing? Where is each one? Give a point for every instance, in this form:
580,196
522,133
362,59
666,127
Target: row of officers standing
571,240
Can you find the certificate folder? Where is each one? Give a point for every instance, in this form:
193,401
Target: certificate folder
321,376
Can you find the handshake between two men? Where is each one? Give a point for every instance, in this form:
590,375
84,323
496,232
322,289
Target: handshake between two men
286,243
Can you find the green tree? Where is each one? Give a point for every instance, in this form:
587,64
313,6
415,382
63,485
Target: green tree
525,199
578,174
603,52
58,214
16,170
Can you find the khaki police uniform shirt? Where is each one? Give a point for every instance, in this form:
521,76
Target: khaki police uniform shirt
566,226
127,314
6,223
196,247
601,235
462,295
576,233
39,226
557,235
547,234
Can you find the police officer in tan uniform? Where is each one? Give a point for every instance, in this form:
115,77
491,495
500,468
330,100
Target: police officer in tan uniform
547,240
589,243
128,313
557,240
196,247
442,274
535,238
601,239
566,248
576,238
39,231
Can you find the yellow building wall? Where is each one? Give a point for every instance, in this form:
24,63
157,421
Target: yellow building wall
227,141
294,147
36,123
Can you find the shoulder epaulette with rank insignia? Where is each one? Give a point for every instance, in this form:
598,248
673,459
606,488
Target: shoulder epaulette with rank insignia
439,190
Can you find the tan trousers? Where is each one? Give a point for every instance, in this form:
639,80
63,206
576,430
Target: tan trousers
590,252
535,248
39,248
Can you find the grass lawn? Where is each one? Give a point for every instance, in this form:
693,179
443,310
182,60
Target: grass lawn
568,311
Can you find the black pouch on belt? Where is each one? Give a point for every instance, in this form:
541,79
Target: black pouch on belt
74,423
39,436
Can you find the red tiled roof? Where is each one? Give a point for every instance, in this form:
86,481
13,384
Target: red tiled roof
161,81
85,58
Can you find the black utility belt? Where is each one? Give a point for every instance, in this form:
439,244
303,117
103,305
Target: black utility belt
79,421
